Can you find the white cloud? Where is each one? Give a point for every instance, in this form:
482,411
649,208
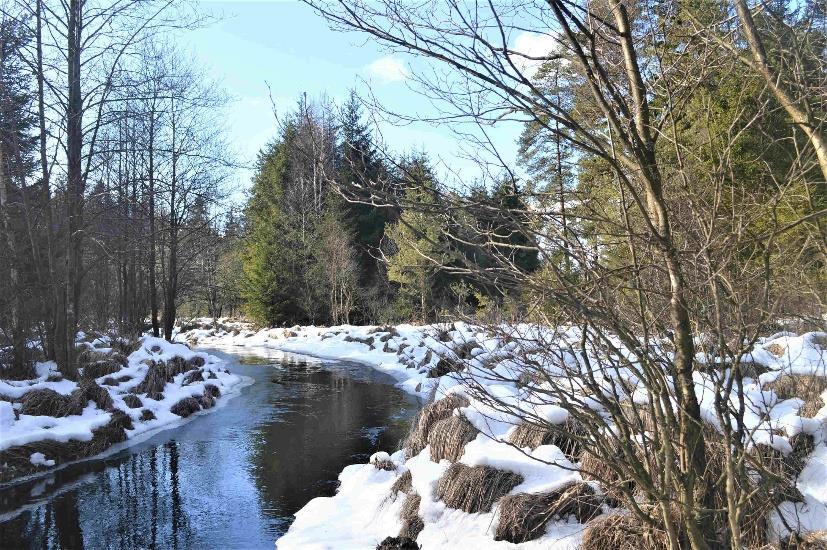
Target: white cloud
529,45
388,69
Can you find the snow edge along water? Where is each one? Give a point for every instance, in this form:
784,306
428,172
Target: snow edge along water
364,512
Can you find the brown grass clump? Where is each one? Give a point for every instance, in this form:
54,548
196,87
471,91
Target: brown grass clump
155,380
412,524
178,365
427,417
780,473
212,390
776,349
397,543
96,364
126,346
817,540
475,489
806,387
132,401
88,390
567,436
185,407
15,461
193,376
448,437
622,532
121,420
523,516
403,483
205,400
387,465
147,415
638,417
594,467
45,402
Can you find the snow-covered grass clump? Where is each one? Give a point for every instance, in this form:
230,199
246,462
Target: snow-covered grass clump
473,475
50,420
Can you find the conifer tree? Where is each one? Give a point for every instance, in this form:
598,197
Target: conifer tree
360,169
419,248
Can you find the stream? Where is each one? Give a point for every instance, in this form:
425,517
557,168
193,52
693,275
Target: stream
230,478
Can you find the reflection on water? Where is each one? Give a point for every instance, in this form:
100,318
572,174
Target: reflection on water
228,479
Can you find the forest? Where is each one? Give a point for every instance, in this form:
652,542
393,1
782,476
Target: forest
663,222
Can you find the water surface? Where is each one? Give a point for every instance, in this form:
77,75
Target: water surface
231,478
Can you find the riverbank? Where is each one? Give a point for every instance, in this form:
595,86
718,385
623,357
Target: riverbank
124,391
230,478
462,446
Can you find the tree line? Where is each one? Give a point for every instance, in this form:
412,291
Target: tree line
113,159
315,252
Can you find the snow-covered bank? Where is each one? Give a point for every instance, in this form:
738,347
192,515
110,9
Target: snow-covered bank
49,421
412,486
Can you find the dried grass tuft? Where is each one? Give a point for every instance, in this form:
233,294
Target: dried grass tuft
622,532
192,377
397,543
212,390
474,489
403,483
185,407
412,524
638,417
126,346
427,417
147,415
523,517
594,467
96,364
566,436
387,465
806,387
155,380
132,401
448,437
45,402
121,420
205,400
88,390
779,473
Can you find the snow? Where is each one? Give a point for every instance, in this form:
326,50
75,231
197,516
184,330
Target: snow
6,415
362,513
358,522
30,429
39,459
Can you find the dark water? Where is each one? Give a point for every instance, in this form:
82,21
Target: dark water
228,479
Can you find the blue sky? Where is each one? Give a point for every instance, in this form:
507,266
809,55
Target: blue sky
284,44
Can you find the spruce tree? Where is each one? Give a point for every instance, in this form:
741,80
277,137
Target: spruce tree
420,250
359,169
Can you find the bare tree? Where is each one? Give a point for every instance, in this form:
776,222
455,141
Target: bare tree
668,278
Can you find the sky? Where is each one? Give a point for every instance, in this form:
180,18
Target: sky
280,49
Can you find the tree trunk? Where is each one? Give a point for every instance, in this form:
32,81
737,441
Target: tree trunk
50,299
18,335
153,288
74,193
694,494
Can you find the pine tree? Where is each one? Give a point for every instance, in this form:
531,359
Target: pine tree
270,287
359,169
